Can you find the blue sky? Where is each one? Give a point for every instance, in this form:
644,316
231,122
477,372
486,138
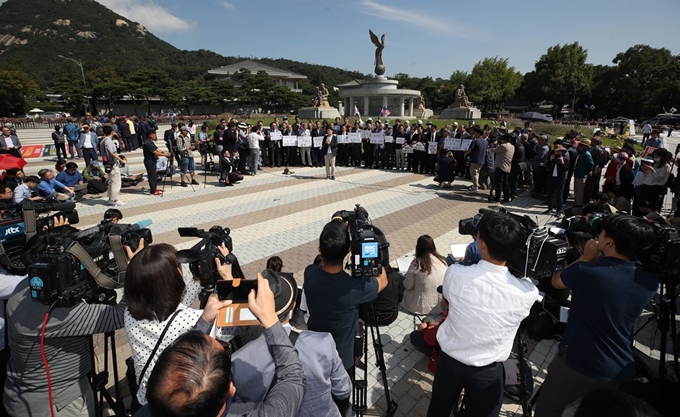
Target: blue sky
424,37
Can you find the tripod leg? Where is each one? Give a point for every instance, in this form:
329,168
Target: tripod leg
380,361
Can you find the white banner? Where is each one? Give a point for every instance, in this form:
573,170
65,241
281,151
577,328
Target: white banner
365,134
400,140
342,139
465,144
389,139
418,146
275,135
407,149
290,140
318,141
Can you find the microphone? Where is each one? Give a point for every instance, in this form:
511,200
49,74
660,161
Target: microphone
142,224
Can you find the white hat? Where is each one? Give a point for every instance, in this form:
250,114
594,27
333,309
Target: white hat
369,119
420,122
242,126
455,123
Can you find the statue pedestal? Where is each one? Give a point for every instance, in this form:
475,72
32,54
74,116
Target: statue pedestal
422,113
318,113
464,113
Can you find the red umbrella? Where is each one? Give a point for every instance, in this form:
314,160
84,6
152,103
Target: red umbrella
10,161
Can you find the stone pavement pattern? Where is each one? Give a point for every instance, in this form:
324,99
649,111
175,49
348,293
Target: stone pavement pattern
272,214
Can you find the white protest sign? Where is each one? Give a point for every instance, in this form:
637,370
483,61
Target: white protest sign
354,137
289,140
389,139
432,148
304,141
452,144
275,135
378,138
342,139
465,144
418,146
400,140
365,134
407,149
318,141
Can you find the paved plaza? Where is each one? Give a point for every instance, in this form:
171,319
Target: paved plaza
273,214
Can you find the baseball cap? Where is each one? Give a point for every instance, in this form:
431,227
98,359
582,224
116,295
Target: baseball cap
420,122
94,164
184,128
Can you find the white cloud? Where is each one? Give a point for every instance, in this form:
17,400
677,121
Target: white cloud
413,17
156,18
228,5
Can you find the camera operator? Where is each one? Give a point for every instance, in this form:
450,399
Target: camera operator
596,351
486,306
333,296
193,377
66,345
158,301
186,149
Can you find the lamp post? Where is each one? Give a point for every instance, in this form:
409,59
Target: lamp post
77,62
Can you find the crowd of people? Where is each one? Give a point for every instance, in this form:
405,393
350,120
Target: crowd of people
182,368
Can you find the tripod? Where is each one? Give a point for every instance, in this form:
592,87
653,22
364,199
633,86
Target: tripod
360,392
665,316
100,380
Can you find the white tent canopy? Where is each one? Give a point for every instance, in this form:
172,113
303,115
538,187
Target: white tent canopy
36,110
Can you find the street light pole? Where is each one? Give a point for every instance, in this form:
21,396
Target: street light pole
79,63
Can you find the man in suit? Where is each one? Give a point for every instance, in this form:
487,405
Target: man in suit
329,150
87,144
229,176
253,368
431,158
9,143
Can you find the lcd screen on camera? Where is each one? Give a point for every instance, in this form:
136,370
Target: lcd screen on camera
369,250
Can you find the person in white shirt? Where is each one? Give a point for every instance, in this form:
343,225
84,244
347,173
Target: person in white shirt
254,139
486,306
646,131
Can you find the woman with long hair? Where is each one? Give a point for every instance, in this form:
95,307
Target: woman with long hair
158,305
424,275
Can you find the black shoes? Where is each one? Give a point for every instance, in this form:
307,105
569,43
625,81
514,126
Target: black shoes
184,184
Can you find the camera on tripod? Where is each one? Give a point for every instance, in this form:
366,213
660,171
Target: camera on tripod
539,257
663,257
68,271
368,244
201,257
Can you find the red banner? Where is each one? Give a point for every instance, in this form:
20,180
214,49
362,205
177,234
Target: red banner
31,151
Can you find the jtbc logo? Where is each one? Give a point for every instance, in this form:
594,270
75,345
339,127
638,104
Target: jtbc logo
12,230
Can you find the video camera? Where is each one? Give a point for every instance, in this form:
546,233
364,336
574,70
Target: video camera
367,242
663,257
85,265
541,255
18,218
201,257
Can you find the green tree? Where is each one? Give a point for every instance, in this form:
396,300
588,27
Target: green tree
459,77
15,87
150,83
561,75
110,92
492,81
223,91
642,82
196,92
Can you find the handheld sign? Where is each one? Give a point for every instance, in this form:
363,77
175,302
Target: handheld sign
378,138
304,141
318,141
289,140
432,148
400,140
407,149
342,139
275,135
418,146
354,137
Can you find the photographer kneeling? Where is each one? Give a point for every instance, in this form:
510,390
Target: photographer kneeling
66,333
486,306
158,311
596,351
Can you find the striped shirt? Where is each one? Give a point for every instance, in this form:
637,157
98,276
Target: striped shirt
67,349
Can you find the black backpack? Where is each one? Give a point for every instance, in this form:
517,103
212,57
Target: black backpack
511,375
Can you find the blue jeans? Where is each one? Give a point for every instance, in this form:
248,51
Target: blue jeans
187,165
254,160
483,388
